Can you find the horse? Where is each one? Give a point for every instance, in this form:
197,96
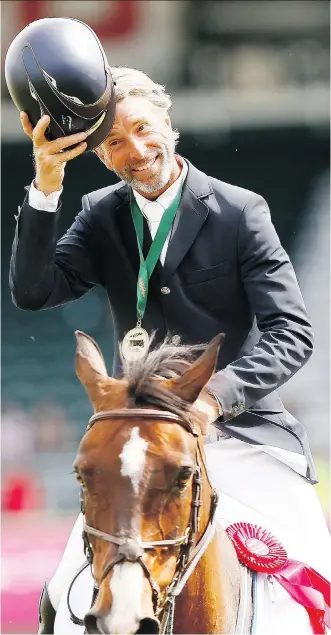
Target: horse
160,561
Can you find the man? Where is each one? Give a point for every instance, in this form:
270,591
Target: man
221,268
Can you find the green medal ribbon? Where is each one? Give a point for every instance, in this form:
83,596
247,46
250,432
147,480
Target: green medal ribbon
147,266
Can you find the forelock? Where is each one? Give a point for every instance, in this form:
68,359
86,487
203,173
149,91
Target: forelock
165,361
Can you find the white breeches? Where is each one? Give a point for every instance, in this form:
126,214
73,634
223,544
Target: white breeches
253,487
257,488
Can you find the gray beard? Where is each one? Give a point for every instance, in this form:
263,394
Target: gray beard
160,180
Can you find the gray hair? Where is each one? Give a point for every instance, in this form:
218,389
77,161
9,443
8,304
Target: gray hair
131,82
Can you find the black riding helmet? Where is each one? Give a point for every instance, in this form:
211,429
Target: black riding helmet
57,66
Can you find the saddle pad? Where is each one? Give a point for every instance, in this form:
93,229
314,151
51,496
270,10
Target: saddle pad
274,611
80,602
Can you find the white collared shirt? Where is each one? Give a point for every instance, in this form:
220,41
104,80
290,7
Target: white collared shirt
154,210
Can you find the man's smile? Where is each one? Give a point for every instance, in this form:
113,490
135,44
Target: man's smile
146,166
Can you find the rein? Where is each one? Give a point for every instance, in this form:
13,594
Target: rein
131,549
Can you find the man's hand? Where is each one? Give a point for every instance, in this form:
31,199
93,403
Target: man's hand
50,156
209,407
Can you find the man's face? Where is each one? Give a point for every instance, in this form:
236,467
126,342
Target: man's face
140,148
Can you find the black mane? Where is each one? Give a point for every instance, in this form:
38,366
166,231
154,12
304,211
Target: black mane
166,361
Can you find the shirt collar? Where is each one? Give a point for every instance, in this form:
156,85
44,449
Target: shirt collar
154,212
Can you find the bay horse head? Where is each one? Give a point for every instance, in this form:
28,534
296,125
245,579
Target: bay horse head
147,502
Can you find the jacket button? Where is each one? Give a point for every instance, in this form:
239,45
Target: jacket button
175,340
165,290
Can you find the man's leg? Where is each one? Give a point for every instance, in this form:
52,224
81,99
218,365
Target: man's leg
271,494
255,487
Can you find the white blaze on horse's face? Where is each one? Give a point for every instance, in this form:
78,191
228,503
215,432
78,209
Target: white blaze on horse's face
127,582
133,457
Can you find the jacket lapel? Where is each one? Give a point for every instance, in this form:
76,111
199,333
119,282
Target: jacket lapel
125,227
189,219
191,215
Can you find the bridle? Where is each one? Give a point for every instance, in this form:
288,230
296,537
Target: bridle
132,550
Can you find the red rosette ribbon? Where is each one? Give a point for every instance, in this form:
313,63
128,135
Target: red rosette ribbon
258,549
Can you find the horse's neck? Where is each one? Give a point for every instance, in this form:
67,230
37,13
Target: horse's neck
208,603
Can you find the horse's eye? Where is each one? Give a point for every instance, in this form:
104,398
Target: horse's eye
79,479
183,477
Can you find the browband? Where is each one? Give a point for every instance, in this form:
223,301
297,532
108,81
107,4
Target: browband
142,413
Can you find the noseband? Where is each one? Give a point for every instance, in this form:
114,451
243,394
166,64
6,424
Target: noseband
131,549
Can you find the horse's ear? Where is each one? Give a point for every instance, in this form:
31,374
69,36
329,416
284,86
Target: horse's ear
90,364
189,385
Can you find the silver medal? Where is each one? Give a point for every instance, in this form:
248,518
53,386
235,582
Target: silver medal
135,344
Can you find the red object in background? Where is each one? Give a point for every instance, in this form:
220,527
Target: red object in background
119,20
21,492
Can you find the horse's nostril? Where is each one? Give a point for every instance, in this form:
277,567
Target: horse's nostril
148,626
91,624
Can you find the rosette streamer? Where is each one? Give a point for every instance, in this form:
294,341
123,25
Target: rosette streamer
258,549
